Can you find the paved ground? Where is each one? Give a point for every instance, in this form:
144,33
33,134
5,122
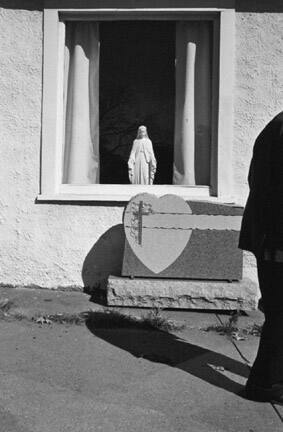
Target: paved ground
84,378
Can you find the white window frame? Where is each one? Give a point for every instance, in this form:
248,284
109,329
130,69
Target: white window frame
51,188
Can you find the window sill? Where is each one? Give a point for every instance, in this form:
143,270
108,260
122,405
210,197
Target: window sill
116,192
123,193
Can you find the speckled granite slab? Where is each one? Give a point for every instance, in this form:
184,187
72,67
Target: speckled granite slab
168,237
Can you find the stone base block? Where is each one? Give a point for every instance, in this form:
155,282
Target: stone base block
182,294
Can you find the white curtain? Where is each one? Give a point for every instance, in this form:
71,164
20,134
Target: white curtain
193,103
81,104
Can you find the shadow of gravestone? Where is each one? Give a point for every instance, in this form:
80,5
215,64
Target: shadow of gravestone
155,345
104,258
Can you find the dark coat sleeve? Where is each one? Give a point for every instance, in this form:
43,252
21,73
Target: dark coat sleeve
257,217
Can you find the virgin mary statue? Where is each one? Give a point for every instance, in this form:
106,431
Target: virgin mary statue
142,162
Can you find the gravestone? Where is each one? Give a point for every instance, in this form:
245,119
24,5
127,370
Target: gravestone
168,237
183,255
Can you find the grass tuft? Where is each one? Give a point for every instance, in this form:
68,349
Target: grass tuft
153,320
156,320
6,305
231,328
254,330
227,328
71,319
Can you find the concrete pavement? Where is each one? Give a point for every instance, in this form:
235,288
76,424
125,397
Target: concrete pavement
85,378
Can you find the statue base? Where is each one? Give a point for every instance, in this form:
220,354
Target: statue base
182,293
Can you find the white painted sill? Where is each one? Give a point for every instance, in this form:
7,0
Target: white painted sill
122,193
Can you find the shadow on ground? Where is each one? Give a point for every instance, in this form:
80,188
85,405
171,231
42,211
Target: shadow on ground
163,347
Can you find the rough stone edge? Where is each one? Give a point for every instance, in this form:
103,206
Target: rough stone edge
182,294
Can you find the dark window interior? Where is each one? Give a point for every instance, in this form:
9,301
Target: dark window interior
137,87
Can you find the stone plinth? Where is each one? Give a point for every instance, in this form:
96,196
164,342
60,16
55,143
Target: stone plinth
182,294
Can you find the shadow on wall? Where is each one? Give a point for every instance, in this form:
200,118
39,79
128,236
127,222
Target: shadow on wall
105,258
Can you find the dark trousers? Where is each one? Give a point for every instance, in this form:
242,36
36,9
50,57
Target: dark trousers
268,366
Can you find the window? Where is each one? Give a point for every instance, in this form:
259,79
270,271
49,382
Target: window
171,70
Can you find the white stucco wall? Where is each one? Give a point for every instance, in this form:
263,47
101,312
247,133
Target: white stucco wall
258,94
259,85
41,244
48,244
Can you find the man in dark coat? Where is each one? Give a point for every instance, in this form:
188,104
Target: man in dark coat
262,234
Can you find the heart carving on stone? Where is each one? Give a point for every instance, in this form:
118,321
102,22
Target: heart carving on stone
157,229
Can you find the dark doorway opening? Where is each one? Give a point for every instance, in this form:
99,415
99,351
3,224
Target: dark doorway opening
137,87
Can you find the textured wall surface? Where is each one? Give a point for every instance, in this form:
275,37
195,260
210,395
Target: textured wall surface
41,244
259,86
258,93
52,245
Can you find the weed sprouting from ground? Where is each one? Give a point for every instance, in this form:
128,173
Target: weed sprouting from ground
153,320
234,318
231,328
254,330
5,306
9,311
72,318
227,328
